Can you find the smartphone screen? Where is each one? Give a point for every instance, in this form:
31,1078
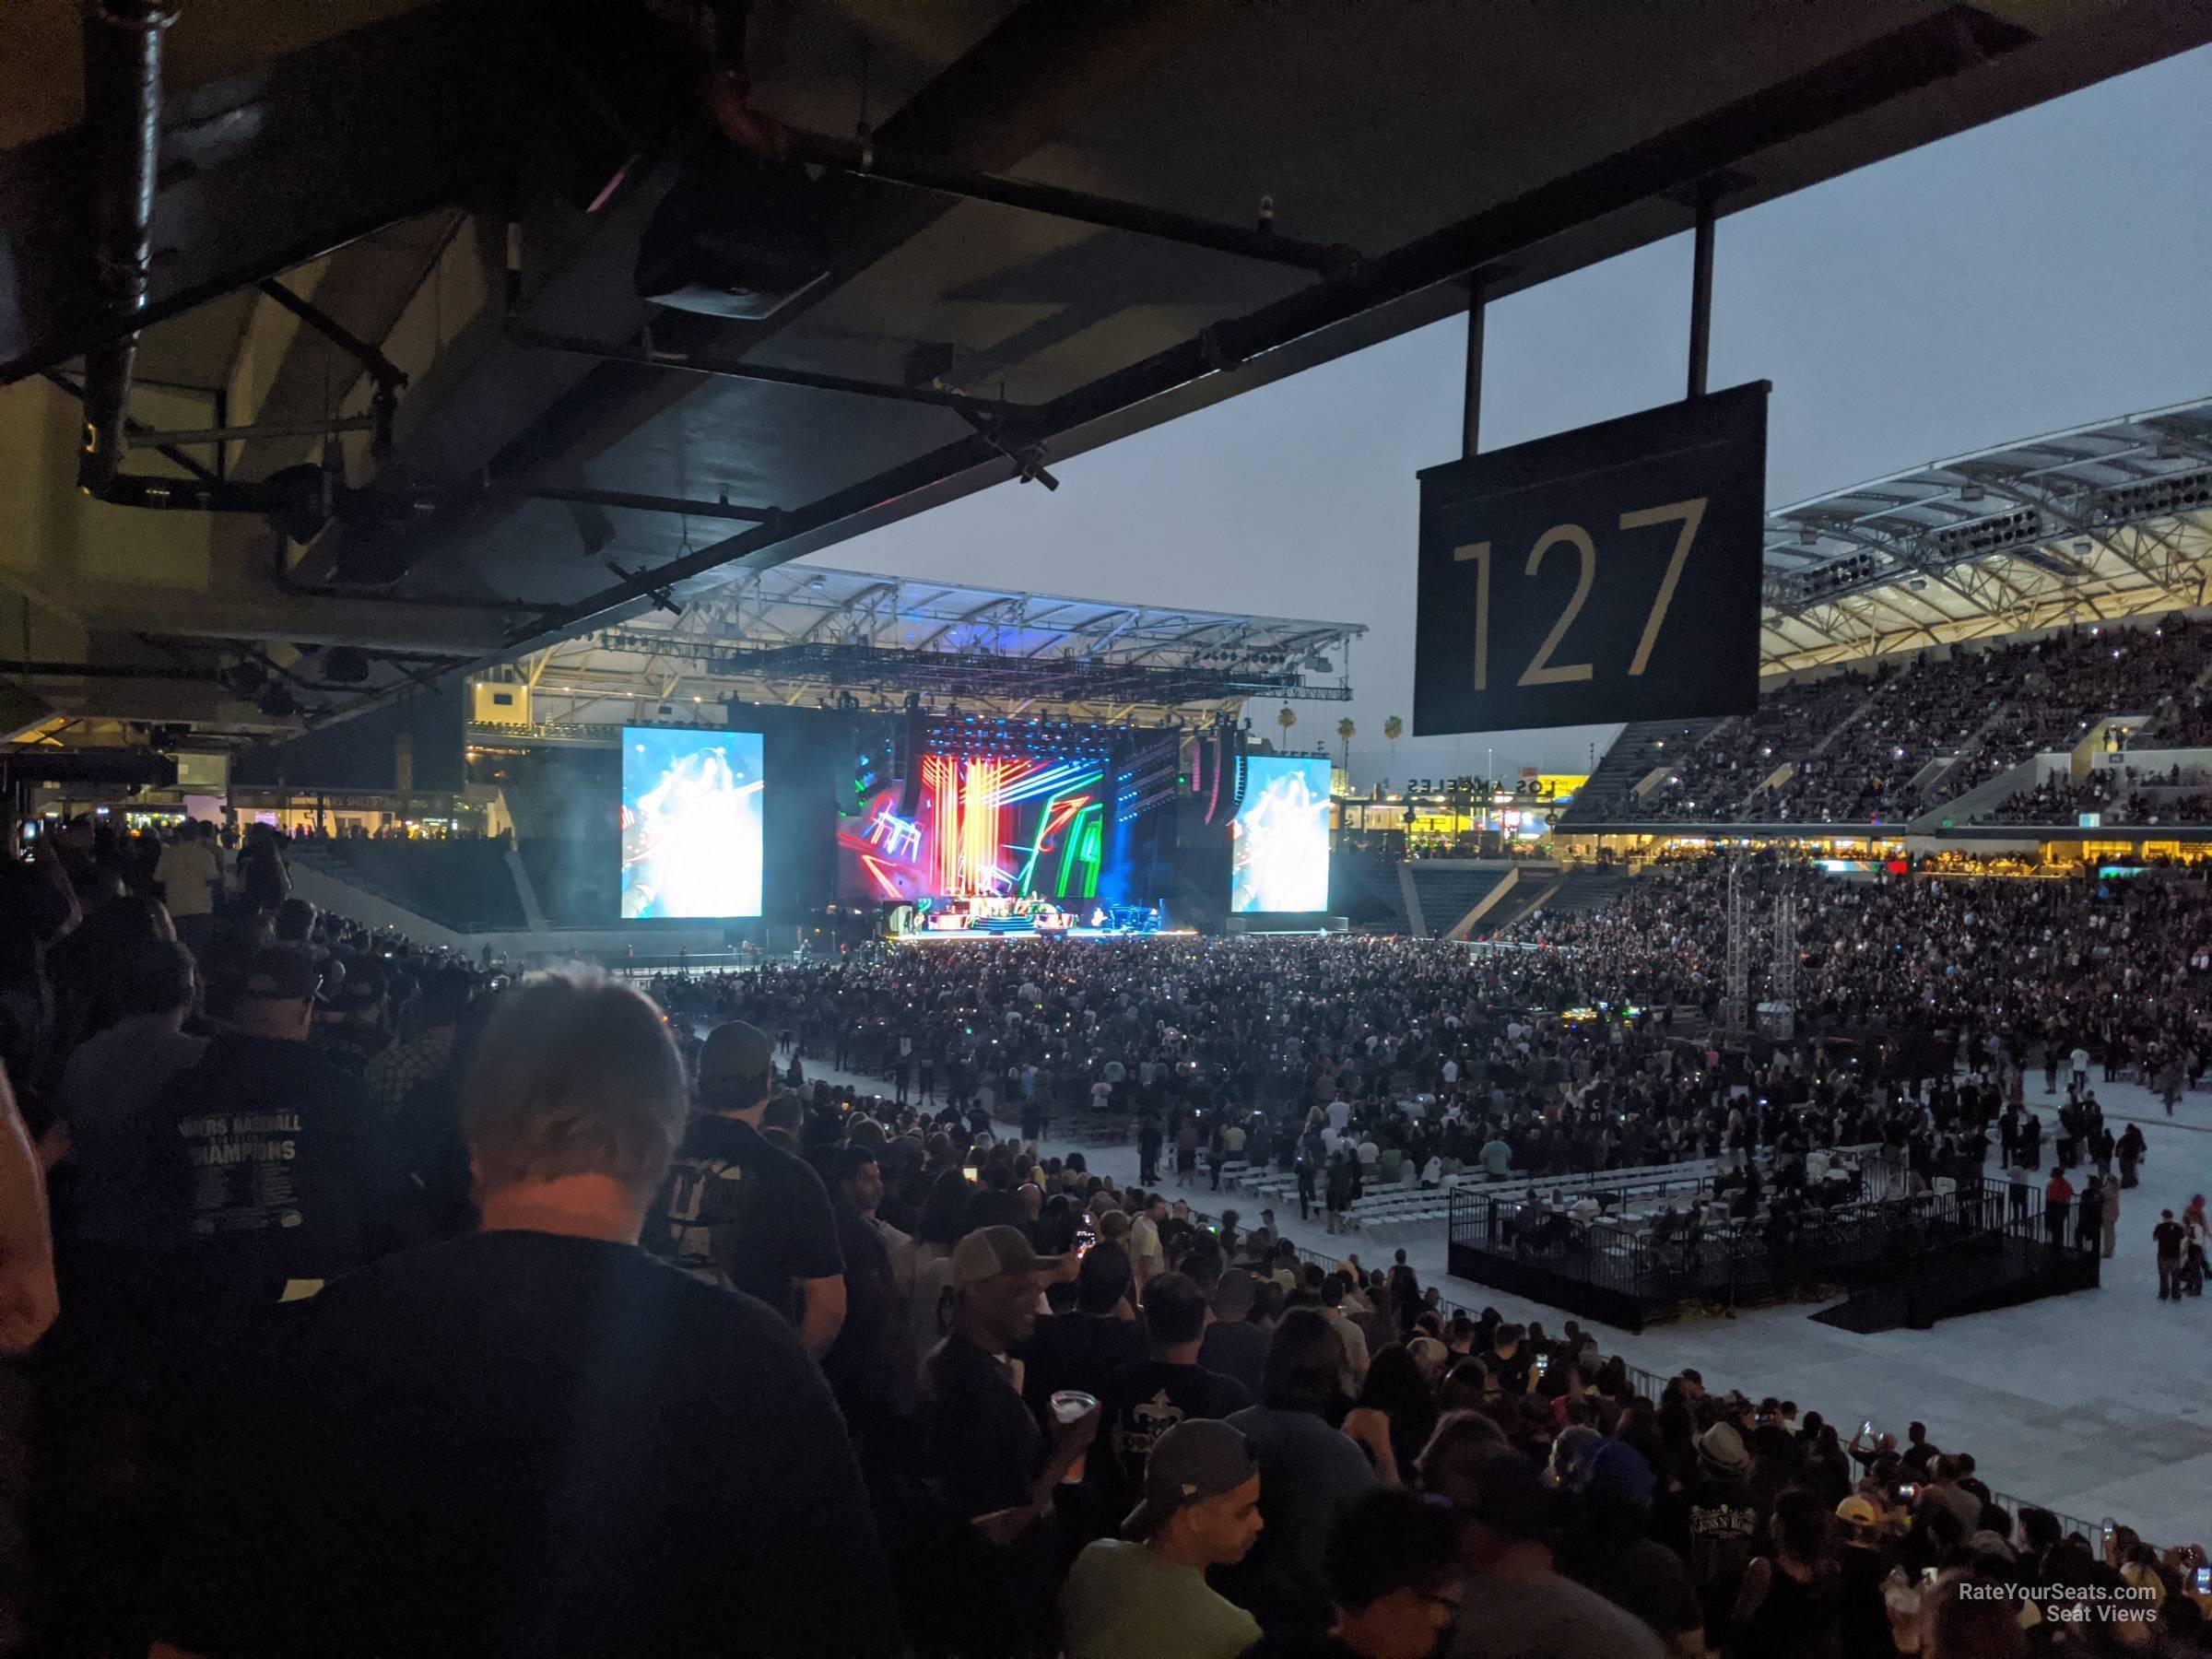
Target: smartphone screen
2204,1581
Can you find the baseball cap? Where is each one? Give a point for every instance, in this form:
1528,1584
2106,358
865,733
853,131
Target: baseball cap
784,1112
1858,1511
283,973
1610,1468
988,1251
737,1054
1197,1459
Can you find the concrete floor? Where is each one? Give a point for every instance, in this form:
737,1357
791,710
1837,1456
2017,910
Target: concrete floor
2094,1403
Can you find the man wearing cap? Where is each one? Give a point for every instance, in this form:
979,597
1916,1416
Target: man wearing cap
1607,1488
350,1028
532,1439
1145,1595
985,1457
1861,1616
278,1173
741,1212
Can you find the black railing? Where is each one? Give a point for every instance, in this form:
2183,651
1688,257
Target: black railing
1629,1272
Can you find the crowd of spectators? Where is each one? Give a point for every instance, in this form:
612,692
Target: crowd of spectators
2178,796
1715,780
2186,724
1858,745
371,1304
2058,800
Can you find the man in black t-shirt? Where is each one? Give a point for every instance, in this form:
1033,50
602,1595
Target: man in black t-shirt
276,1172
1084,1350
1233,1346
989,1464
1509,1361
2168,1236
740,1212
1404,1295
533,1439
872,1365
1147,1399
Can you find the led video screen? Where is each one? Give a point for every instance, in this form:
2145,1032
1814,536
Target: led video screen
985,826
1279,839
691,815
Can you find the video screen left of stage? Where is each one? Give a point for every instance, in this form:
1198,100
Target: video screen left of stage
692,809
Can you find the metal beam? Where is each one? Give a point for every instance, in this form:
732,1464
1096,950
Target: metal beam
670,505
374,363
724,368
266,172
866,159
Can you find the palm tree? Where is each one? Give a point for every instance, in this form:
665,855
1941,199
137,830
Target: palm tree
1346,731
1393,729
1287,719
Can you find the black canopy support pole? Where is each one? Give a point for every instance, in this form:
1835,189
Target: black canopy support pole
1701,293
1470,429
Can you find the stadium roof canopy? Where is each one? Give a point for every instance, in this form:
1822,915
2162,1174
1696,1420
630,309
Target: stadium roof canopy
797,631
407,398
2106,521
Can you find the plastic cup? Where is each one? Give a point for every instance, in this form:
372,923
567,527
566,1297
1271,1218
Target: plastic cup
1068,1404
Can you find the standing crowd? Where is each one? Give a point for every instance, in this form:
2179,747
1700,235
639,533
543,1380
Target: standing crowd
367,1303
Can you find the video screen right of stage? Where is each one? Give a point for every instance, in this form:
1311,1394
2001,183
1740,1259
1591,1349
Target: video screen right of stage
1279,850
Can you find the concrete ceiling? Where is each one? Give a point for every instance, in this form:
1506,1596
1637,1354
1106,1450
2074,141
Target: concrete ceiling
378,154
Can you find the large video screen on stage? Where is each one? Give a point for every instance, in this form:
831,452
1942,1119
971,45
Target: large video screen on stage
989,825
691,816
1279,839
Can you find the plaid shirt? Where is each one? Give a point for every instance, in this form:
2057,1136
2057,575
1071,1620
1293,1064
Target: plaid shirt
399,1068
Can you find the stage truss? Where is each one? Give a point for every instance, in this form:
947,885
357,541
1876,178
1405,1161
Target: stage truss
2103,521
801,633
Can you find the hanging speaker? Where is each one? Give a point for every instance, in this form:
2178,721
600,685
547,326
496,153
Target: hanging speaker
917,738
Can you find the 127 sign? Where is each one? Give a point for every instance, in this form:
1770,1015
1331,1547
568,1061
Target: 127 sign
1608,573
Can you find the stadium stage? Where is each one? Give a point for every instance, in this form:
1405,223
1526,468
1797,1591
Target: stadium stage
1094,935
